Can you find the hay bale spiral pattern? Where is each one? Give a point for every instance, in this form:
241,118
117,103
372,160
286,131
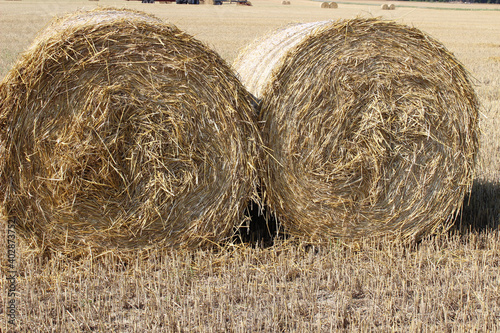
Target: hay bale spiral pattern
118,130
371,128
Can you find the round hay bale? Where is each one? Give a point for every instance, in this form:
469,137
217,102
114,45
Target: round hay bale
384,7
284,2
325,5
118,130
334,5
392,6
370,127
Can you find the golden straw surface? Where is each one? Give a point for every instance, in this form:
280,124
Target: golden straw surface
118,130
371,128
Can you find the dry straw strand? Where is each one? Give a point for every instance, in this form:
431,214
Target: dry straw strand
120,131
370,127
264,59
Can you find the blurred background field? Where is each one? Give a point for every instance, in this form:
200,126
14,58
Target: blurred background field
445,283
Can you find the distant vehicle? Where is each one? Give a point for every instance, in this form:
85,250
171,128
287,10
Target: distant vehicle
197,2
215,2
238,2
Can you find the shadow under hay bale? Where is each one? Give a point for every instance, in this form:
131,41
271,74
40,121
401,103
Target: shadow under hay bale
371,129
262,228
481,209
118,130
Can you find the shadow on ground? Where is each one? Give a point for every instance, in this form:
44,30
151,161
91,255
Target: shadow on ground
480,212
481,209
262,230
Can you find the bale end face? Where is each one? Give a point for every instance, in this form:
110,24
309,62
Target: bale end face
118,130
365,135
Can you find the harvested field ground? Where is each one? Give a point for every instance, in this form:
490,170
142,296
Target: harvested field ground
449,282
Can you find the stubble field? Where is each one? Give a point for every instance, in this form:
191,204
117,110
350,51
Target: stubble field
449,282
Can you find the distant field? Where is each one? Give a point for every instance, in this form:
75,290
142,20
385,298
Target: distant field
446,283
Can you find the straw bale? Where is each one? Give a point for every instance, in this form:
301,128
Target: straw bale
120,131
384,7
370,128
392,6
325,5
334,5
255,65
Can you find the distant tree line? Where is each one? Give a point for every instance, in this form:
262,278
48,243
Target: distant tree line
468,1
